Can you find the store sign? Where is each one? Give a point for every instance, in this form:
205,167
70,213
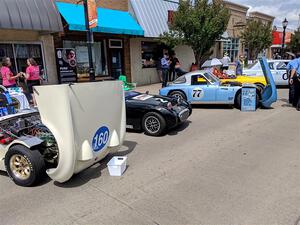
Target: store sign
93,14
66,65
278,36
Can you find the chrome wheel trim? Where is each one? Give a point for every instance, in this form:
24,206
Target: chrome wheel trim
20,167
152,124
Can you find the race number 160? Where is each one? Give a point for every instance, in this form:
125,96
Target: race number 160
100,138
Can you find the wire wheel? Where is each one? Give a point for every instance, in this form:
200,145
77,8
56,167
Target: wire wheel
178,94
20,166
152,124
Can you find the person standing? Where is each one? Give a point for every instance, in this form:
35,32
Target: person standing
225,60
8,78
32,76
165,65
172,72
294,81
239,66
159,70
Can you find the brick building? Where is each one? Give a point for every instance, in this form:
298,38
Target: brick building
111,47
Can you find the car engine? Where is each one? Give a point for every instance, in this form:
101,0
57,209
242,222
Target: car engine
30,125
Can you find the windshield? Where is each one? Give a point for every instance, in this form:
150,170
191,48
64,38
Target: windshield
180,80
129,94
255,66
211,78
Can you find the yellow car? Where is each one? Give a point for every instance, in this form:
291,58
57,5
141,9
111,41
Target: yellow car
259,81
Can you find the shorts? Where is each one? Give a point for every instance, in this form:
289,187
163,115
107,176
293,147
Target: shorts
31,83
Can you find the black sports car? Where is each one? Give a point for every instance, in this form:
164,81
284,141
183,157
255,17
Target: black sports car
154,114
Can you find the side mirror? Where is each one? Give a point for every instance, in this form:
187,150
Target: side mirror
147,92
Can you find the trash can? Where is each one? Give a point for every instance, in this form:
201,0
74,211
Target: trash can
248,102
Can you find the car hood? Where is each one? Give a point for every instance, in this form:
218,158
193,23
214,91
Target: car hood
79,114
154,100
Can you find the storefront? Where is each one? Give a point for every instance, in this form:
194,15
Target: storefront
144,52
111,47
26,33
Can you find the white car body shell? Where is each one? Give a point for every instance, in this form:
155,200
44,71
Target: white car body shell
74,114
277,67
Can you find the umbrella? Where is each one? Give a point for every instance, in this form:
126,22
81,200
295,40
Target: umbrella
291,54
212,62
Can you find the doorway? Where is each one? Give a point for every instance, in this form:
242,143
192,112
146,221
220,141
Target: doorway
116,57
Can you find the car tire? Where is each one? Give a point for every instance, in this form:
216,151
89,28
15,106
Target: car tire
260,87
32,168
177,94
238,100
153,124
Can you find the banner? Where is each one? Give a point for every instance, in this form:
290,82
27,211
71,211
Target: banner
66,65
278,35
93,15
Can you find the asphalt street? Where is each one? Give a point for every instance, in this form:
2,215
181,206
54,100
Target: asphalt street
221,167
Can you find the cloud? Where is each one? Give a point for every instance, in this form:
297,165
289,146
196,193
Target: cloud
280,9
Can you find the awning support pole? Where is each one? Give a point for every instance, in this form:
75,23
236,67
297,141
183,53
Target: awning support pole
90,41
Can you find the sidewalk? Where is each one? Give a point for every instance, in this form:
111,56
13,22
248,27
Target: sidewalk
152,88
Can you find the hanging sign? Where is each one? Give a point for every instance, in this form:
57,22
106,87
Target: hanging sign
92,12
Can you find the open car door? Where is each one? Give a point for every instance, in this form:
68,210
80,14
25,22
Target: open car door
269,94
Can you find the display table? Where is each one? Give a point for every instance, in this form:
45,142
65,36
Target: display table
20,98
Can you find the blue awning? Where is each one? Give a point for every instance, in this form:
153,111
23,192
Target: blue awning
109,21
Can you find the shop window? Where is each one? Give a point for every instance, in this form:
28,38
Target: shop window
150,54
19,53
25,51
99,58
232,48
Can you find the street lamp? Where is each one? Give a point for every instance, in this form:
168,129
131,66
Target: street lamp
284,25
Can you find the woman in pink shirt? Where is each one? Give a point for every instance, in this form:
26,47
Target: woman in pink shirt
8,78
32,76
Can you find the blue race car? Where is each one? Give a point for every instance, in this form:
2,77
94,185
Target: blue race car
205,88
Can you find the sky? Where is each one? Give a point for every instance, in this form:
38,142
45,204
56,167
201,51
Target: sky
277,8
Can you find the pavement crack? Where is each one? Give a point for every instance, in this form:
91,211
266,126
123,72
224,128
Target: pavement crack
124,204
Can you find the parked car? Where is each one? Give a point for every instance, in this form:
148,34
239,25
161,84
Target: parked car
277,67
75,126
205,88
154,114
259,81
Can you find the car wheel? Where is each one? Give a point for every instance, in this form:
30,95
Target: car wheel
153,124
26,167
238,100
260,87
178,94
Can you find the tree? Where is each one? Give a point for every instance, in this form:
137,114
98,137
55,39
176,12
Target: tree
257,37
197,23
295,42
